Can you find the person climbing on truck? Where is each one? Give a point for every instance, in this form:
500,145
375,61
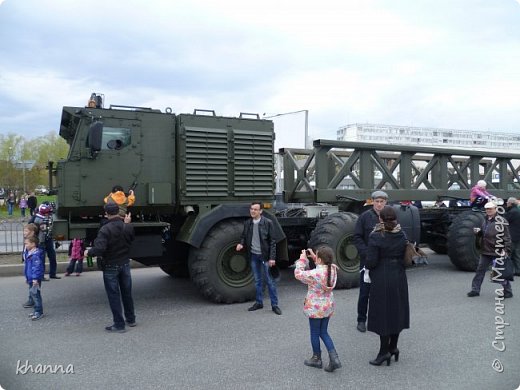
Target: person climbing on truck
119,197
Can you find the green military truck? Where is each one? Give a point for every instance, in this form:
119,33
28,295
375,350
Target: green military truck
196,174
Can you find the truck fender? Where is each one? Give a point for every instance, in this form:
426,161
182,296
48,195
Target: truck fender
195,229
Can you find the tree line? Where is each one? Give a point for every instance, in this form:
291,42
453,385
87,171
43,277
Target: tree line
14,149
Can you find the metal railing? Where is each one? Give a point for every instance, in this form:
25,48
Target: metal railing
11,237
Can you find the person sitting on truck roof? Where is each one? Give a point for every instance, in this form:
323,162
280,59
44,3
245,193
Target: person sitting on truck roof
479,195
119,197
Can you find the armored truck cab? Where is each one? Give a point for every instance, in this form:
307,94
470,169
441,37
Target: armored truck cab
177,161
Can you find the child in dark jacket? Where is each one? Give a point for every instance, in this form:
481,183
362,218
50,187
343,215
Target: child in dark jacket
33,258
76,249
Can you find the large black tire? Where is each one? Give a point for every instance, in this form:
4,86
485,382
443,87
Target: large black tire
337,232
221,273
463,245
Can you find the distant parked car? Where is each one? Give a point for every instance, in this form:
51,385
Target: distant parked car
41,190
2,193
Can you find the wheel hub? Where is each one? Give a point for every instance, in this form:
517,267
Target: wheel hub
233,268
347,254
237,263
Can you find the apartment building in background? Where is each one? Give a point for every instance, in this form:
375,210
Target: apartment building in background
428,136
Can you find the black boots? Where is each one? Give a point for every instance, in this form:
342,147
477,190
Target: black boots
381,358
388,343
333,361
395,354
314,361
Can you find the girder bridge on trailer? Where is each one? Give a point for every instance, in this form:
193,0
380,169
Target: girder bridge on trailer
340,170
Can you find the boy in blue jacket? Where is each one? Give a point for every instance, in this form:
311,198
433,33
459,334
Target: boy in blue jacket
34,269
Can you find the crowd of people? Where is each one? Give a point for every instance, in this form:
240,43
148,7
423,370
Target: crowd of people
383,302
25,203
111,246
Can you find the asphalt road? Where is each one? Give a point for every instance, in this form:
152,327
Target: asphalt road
185,342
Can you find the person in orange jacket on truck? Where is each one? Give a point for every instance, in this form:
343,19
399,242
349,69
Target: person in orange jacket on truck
119,197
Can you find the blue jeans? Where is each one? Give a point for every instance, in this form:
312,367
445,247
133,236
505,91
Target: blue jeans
318,328
72,265
364,293
36,298
260,271
48,247
10,208
118,285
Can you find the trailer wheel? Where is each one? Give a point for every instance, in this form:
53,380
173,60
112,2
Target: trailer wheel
221,273
337,232
463,245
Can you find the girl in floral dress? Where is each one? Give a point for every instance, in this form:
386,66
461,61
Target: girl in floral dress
319,303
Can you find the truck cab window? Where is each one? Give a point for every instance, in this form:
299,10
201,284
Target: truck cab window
115,138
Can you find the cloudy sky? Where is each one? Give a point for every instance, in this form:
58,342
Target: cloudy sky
440,63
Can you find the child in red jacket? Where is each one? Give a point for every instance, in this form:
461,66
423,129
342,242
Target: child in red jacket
76,249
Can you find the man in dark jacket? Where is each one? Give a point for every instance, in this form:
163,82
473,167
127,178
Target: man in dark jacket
495,240
364,226
32,202
513,217
113,244
257,238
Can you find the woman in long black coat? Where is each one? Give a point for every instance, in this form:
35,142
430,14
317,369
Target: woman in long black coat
389,310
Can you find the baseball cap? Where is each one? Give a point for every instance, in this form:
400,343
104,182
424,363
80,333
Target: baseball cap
490,205
111,209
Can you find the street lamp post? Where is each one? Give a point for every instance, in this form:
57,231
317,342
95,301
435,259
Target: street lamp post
25,164
9,166
306,142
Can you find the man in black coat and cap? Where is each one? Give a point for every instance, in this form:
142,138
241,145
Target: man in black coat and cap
364,226
113,243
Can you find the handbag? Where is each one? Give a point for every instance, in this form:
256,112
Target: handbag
413,255
409,253
504,271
